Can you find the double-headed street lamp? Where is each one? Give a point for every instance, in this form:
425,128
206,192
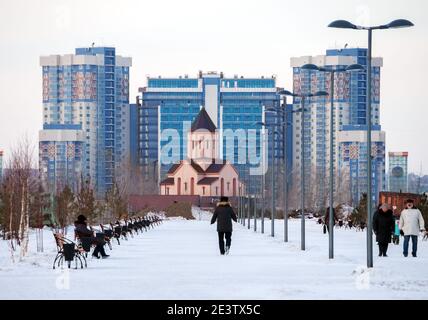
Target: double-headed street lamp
303,98
273,176
343,24
313,67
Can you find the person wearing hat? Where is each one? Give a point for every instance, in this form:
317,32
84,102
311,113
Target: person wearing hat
82,231
383,227
224,215
411,223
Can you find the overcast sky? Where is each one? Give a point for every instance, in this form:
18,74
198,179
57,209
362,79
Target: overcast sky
249,38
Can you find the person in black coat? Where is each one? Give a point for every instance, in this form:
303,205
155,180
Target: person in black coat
224,215
82,231
383,227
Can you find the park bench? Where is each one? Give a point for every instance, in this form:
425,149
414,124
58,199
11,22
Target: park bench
68,251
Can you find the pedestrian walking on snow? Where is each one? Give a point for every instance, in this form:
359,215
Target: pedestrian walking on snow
383,227
411,223
224,215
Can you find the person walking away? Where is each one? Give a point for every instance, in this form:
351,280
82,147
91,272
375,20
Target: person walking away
224,215
82,230
383,227
411,223
327,217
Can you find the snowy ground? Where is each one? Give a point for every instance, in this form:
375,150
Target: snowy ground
180,260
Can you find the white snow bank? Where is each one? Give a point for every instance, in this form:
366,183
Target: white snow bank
180,260
202,215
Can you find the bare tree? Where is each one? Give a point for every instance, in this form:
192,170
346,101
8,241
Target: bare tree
86,204
64,207
19,186
294,192
343,187
39,203
116,201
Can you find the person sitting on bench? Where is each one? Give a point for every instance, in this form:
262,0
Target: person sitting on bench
82,231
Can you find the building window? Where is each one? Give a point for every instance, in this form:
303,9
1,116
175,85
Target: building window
185,186
228,186
203,190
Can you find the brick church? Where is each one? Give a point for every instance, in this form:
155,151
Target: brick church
202,173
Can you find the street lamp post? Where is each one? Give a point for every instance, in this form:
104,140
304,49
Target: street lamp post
249,211
343,24
263,176
255,213
284,125
273,180
273,213
312,67
244,208
239,203
303,98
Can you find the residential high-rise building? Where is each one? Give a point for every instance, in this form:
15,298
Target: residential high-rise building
235,105
89,91
398,173
61,156
352,179
349,114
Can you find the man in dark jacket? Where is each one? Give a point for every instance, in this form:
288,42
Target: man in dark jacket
224,215
82,231
383,227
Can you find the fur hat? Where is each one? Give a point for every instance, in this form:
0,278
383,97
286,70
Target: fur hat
81,218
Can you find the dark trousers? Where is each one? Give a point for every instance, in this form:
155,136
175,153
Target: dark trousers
396,239
99,247
383,247
414,245
221,236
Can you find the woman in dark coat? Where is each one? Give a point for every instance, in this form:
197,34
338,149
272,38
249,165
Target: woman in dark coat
383,227
224,215
82,231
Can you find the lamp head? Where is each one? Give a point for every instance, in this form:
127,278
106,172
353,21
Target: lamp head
311,67
271,110
400,23
318,94
286,93
342,24
355,67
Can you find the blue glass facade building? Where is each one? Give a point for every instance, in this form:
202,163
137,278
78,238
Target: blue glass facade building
90,89
169,105
398,171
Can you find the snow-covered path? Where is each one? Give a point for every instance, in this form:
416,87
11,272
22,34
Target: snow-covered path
180,260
